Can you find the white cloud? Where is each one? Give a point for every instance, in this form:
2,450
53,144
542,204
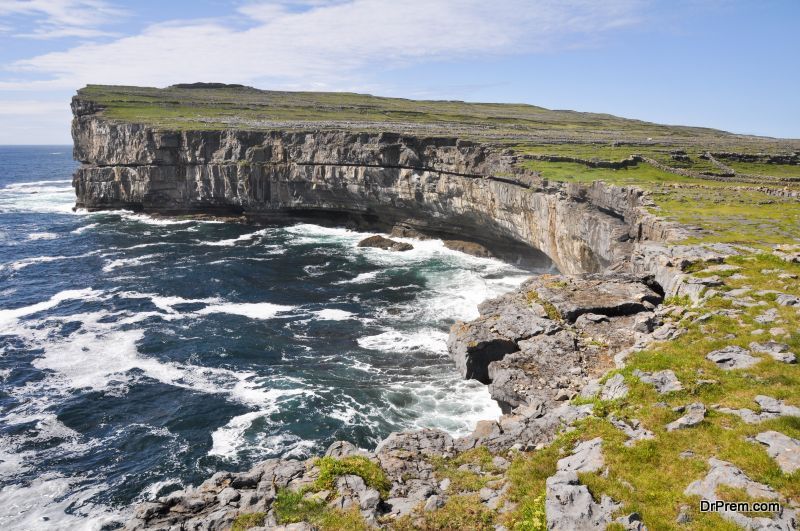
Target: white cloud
322,43
32,107
62,18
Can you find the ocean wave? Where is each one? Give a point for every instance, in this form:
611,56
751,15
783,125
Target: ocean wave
430,340
306,233
253,310
84,228
52,501
42,236
361,278
37,196
233,241
12,315
233,438
333,314
35,185
129,262
148,219
454,406
26,262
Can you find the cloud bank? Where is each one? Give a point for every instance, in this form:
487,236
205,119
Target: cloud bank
61,18
313,43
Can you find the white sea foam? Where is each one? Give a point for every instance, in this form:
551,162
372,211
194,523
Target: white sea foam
36,185
233,241
25,262
454,406
84,228
43,504
361,278
428,339
253,310
333,314
147,219
305,233
8,316
150,220
129,262
37,196
227,440
153,490
42,236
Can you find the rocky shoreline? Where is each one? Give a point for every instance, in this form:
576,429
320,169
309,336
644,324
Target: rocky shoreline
538,348
555,357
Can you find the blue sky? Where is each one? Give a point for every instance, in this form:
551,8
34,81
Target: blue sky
728,64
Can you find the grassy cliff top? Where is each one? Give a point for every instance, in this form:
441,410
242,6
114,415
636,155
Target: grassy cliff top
722,195
218,106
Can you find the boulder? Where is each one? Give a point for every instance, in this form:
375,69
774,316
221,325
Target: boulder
784,449
599,294
406,454
695,413
614,388
382,242
569,505
472,248
724,473
587,456
664,381
784,299
777,351
633,430
732,357
770,409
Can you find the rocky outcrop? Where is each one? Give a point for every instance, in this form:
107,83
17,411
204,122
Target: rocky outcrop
541,343
723,473
381,242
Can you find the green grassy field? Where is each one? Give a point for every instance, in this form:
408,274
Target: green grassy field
513,124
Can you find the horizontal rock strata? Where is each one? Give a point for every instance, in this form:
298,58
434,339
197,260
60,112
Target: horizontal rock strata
450,188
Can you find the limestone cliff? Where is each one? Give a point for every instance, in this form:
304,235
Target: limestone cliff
439,186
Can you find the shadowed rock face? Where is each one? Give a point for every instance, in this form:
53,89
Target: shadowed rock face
440,186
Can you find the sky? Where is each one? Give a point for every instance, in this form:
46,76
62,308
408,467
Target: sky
727,64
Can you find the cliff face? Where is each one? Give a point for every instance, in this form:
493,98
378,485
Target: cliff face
439,186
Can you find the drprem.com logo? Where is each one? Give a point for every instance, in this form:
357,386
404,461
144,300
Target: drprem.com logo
719,506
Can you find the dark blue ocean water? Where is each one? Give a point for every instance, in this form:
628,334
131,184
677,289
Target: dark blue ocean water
140,355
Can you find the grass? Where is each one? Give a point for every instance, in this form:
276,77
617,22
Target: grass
292,507
461,478
248,520
332,468
722,211
519,125
650,476
462,512
551,311
775,170
296,506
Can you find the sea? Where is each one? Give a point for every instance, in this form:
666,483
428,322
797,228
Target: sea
140,355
